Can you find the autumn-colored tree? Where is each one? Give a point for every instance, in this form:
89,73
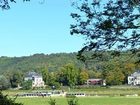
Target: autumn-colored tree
83,76
129,68
115,77
113,73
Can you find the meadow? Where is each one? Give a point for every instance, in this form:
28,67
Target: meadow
120,91
116,96
83,101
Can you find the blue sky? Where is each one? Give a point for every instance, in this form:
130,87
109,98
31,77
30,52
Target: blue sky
30,28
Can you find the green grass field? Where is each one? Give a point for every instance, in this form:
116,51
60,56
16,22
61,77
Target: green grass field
84,101
116,96
98,91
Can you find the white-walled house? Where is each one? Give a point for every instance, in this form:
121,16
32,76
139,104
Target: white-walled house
37,80
134,79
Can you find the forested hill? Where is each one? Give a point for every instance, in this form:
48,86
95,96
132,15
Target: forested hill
53,62
114,67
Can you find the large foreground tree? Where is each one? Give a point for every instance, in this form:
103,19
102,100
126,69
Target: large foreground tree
5,4
107,24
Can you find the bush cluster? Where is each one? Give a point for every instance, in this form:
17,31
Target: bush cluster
4,100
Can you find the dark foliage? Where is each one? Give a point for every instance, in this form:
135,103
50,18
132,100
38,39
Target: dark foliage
107,24
5,4
4,100
4,83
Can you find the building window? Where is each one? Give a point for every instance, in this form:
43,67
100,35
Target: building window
33,78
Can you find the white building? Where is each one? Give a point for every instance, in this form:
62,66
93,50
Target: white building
37,80
134,79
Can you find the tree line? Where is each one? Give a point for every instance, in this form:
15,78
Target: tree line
66,70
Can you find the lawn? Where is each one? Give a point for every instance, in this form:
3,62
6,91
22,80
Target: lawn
84,101
117,97
95,90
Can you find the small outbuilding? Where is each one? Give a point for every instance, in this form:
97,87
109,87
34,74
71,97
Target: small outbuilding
96,82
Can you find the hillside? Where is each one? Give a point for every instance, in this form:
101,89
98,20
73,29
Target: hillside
36,61
54,61
114,69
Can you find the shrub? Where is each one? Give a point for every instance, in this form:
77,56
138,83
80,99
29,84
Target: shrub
52,101
72,100
4,100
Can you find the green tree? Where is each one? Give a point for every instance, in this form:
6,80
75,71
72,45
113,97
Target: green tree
50,78
53,80
45,74
16,79
61,76
94,73
70,74
4,83
107,24
26,85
